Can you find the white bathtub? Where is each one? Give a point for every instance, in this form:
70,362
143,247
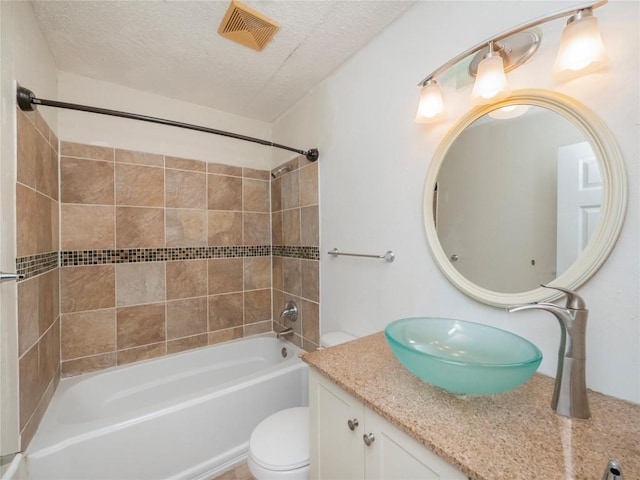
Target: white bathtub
184,416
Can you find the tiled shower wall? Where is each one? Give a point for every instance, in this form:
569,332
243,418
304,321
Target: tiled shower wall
37,259
295,239
158,255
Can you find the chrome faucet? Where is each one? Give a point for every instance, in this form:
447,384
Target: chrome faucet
570,392
284,333
290,311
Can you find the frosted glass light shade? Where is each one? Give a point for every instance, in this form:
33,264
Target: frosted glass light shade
581,46
491,82
430,106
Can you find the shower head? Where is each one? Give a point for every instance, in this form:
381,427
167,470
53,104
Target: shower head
280,171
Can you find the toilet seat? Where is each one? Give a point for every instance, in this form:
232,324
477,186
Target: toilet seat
280,442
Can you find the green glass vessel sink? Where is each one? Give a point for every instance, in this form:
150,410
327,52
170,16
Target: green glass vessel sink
463,357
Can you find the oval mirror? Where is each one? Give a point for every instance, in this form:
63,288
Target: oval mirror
528,191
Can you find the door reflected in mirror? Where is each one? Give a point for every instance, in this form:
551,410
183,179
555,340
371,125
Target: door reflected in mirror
517,198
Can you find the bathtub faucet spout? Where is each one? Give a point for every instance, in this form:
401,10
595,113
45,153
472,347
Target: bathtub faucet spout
284,333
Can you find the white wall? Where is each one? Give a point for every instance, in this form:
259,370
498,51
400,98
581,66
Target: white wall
373,164
115,132
25,58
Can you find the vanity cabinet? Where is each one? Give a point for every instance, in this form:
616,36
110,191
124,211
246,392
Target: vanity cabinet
351,441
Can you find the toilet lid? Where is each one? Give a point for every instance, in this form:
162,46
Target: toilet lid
281,441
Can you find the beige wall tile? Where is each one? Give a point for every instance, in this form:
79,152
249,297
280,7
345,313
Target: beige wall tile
87,288
139,158
28,324
30,385
139,227
88,364
290,190
225,311
278,304
186,317
186,278
309,346
257,306
276,228
309,185
258,328
47,294
225,275
86,181
139,186
256,229
221,169
185,228
26,221
255,196
309,226
68,149
140,325
41,126
185,189
26,163
185,164
88,333
55,226
291,227
311,280
257,273
292,275
88,227
225,335
47,170
188,343
309,313
44,225
277,274
257,174
224,193
138,354
49,353
140,283
276,194
224,228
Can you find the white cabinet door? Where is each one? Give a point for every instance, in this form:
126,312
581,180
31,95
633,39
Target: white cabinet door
336,451
393,455
339,452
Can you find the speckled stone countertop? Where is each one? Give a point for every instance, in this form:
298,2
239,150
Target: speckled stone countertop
508,436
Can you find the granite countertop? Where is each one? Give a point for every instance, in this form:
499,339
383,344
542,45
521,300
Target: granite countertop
512,435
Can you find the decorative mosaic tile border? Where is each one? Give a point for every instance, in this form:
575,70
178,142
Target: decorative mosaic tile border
42,263
307,253
36,264
137,255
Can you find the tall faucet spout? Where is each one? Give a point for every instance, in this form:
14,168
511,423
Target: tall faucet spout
570,392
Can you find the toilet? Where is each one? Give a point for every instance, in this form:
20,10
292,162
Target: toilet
279,445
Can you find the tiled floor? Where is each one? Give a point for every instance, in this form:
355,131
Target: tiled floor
240,472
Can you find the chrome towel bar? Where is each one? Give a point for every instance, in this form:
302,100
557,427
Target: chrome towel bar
389,256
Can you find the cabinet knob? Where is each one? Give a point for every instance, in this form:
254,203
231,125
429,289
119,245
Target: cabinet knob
368,439
352,424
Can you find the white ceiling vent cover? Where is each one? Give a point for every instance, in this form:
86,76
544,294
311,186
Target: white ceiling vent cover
247,27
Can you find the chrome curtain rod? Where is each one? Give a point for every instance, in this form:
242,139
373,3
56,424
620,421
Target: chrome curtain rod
27,99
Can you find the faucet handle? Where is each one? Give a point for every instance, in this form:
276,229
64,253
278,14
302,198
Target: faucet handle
574,301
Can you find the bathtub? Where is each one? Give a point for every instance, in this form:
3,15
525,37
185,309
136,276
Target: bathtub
183,416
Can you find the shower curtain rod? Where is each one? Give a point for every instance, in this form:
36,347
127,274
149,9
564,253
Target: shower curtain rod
27,101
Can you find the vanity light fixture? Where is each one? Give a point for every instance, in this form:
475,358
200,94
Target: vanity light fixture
491,82
580,47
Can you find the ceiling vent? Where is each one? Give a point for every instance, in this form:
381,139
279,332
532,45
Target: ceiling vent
247,27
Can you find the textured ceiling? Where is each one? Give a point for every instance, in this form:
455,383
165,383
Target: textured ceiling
172,48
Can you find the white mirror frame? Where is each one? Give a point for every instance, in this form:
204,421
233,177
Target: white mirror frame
613,209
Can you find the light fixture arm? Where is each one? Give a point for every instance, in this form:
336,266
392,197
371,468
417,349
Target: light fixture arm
576,10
